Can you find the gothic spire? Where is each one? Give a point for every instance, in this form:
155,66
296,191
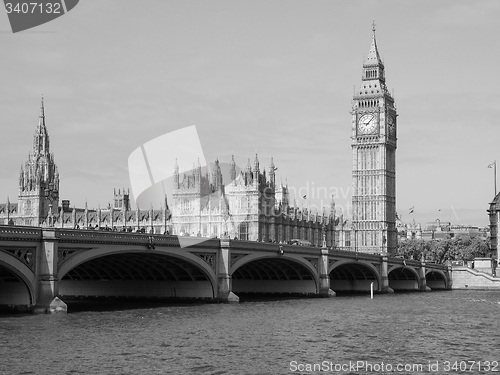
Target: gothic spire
176,175
373,80
272,173
373,58
256,164
41,120
271,167
232,168
41,140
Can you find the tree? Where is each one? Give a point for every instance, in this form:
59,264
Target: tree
411,248
439,251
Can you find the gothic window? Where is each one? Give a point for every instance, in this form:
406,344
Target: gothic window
28,207
186,205
347,239
243,231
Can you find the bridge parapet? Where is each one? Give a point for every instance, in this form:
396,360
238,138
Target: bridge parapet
436,266
405,262
274,247
96,236
19,233
356,255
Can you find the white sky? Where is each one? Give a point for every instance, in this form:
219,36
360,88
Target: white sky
276,77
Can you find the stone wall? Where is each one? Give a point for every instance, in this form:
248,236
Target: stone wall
467,278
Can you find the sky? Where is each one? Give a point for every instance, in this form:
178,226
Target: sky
269,77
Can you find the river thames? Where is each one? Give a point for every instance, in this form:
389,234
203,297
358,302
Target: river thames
414,333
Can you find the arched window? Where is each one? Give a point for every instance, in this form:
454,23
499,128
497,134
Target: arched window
243,231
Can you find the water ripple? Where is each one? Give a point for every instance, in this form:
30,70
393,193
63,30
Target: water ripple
255,338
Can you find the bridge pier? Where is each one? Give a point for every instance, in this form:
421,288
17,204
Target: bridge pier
224,282
46,272
422,280
384,275
324,277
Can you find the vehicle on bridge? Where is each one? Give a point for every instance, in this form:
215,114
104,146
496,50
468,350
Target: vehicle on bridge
300,242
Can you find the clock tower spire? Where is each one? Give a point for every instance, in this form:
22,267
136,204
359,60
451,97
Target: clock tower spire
374,159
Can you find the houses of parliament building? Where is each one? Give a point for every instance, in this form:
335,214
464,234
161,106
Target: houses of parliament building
252,205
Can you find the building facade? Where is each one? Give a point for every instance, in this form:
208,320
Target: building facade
250,207
494,218
374,133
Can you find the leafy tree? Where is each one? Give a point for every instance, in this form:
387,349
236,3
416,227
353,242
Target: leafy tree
411,248
439,251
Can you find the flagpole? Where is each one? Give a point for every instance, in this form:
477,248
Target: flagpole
494,165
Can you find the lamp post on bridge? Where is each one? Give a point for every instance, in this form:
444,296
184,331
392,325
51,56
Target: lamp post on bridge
355,240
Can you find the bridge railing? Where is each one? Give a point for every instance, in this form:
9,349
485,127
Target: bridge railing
273,246
82,235
150,240
436,266
11,232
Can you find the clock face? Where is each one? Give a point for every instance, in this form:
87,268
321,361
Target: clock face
391,125
367,124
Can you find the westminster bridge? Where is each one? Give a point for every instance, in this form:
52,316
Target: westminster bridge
39,264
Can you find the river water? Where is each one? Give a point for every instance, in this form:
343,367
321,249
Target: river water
421,330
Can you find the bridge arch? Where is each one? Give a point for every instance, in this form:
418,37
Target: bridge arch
403,278
348,275
130,271
436,279
269,273
18,292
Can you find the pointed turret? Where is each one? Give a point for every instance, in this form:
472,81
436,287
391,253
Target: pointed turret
217,176
21,179
272,173
197,176
176,175
256,171
248,173
232,168
256,164
373,71
373,58
41,139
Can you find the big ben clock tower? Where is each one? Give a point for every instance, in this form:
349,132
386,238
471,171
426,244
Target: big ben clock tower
374,160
